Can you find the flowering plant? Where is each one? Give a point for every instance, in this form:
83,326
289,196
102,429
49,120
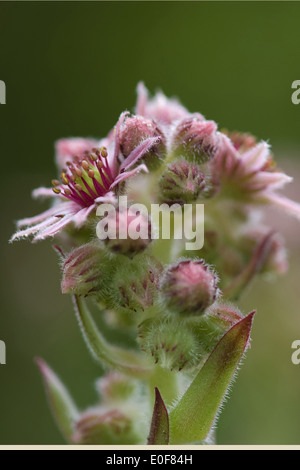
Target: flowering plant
186,338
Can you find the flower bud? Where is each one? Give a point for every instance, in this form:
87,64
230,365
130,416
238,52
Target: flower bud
170,343
182,182
241,141
134,131
82,270
136,287
210,328
129,232
196,139
189,287
102,426
115,387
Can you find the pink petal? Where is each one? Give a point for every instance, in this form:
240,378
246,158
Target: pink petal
159,108
138,153
272,180
43,192
109,198
46,219
227,158
53,229
129,174
62,208
141,99
32,230
114,162
288,205
255,158
67,149
82,215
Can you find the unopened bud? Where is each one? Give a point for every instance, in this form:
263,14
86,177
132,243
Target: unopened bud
195,139
100,426
170,343
241,141
210,328
82,270
136,288
128,232
189,287
114,387
134,131
182,182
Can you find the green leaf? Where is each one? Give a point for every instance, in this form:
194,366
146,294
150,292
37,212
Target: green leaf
192,418
159,431
128,362
63,408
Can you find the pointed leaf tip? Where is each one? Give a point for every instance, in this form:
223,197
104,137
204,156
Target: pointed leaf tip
62,406
159,430
193,417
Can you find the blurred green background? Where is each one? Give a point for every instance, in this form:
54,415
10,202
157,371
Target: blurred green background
70,69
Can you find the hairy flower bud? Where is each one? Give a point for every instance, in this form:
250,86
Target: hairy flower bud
135,289
210,328
182,182
134,131
101,426
82,270
114,387
242,141
170,343
189,287
196,139
128,231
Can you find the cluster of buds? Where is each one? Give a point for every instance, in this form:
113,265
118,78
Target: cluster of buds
168,302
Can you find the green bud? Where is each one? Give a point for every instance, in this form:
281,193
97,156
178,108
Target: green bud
170,343
106,426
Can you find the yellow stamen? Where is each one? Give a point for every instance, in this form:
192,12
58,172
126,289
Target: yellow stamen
85,165
104,152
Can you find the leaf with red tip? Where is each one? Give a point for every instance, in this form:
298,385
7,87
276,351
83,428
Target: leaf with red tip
159,431
193,417
61,403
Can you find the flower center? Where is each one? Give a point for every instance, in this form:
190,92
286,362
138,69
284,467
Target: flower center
85,179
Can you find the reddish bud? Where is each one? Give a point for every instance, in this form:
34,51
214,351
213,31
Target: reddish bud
128,233
134,131
82,270
100,426
182,182
196,139
190,287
